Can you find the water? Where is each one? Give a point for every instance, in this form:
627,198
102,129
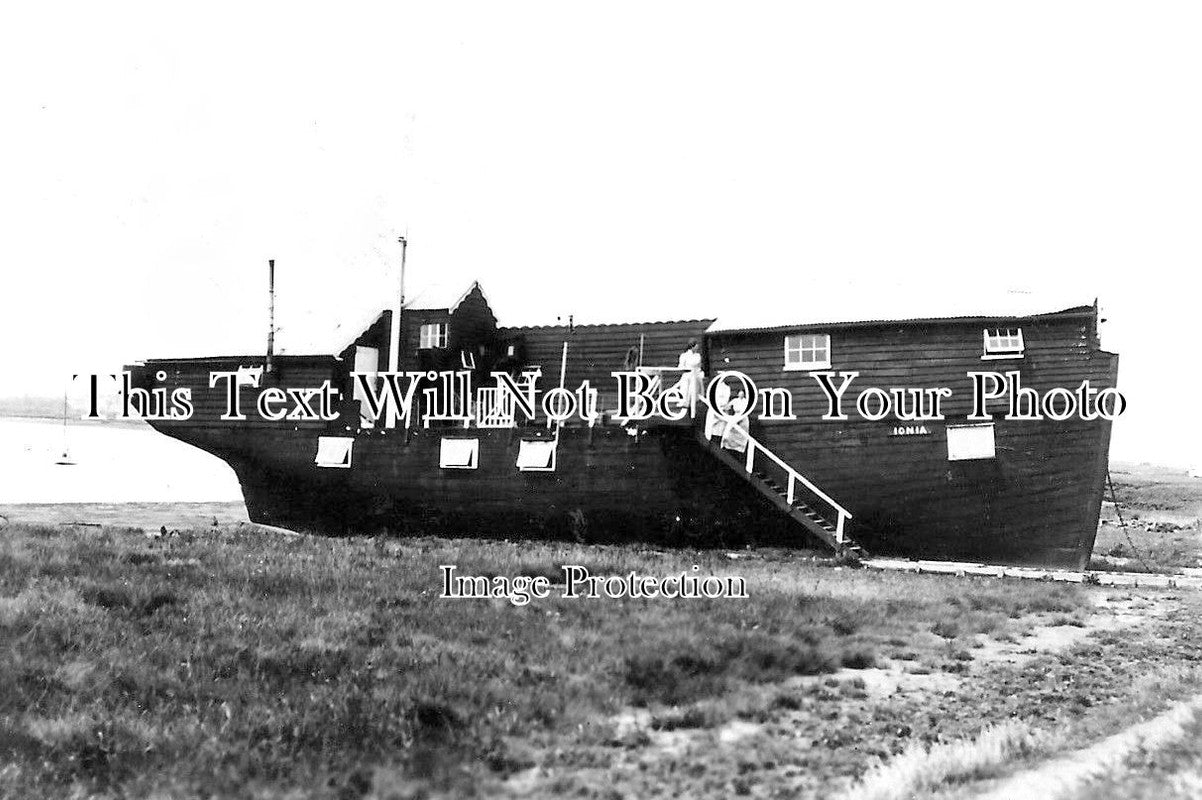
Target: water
114,463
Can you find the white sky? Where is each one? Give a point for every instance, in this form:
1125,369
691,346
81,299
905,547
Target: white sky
625,161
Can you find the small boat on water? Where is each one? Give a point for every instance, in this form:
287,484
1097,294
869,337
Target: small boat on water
65,459
1019,491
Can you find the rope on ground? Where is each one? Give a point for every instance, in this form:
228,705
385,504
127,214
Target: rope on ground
1123,523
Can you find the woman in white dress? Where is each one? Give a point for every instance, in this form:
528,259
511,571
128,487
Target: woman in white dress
691,378
715,425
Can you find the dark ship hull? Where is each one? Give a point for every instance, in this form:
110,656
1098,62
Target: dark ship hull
1037,506
855,486
659,486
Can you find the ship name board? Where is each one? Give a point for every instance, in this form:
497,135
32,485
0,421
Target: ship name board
909,430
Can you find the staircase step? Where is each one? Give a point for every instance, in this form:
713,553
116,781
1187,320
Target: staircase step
802,512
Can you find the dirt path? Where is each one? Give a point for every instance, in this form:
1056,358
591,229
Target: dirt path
765,745
1060,777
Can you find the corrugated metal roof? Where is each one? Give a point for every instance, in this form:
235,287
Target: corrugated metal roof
777,311
914,307
898,321
594,325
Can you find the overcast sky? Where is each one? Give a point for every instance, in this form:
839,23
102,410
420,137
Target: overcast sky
625,161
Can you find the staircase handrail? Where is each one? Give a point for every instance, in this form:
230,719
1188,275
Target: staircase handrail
753,445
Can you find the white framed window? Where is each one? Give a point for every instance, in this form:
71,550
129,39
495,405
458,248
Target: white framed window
536,455
970,442
334,451
459,454
808,351
1003,343
432,335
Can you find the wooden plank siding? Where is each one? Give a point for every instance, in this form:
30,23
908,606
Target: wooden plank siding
608,486
596,351
1037,501
471,327
1040,495
298,372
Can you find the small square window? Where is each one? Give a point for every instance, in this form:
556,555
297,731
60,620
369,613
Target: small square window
970,442
459,453
1003,343
433,335
808,351
537,456
334,451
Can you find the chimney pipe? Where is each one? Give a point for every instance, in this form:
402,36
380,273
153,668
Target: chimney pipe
270,314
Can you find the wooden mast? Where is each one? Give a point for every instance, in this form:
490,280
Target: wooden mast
394,333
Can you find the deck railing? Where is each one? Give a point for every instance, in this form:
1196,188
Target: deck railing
495,409
754,447
795,477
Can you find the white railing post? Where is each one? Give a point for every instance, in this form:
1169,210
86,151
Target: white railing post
795,477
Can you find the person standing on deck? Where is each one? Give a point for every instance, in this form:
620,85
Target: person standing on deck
691,377
734,434
715,425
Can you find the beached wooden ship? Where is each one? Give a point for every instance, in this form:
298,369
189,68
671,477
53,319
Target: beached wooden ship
1002,491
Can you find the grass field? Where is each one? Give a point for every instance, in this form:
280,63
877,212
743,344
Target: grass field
1162,510
233,661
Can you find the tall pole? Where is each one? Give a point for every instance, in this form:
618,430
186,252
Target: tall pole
270,314
394,338
394,333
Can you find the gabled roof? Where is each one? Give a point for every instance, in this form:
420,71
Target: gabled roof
438,296
341,335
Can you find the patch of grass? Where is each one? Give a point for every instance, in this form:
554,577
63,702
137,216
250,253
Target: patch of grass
948,629
136,599
860,657
690,671
922,769
236,662
1171,772
787,700
695,716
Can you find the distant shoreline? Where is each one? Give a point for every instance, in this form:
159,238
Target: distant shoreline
75,420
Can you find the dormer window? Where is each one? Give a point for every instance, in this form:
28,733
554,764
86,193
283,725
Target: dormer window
808,351
433,335
1003,343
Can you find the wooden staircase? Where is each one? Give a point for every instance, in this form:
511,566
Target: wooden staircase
783,497
786,497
